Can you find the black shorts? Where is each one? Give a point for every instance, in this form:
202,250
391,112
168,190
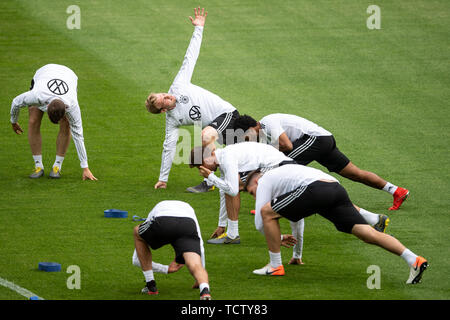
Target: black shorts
329,199
180,232
321,149
224,123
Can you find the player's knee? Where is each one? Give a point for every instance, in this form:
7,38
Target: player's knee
209,135
64,126
266,212
34,122
136,231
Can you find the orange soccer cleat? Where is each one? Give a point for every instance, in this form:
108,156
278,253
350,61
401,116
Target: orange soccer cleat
400,195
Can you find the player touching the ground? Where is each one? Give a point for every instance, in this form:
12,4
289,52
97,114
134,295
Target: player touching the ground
172,222
235,162
53,90
304,141
188,104
296,192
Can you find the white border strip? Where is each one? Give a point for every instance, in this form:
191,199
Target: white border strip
22,291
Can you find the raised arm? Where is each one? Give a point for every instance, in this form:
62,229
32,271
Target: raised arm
193,51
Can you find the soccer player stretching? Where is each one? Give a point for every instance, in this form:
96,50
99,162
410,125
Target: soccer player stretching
188,104
296,192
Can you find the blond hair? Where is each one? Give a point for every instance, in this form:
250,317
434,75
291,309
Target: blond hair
150,104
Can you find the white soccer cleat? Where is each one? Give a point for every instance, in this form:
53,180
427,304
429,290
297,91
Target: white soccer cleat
416,270
269,271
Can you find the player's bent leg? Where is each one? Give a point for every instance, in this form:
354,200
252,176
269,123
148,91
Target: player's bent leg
145,259
34,130
209,136
63,139
195,267
35,139
271,227
368,178
62,144
142,250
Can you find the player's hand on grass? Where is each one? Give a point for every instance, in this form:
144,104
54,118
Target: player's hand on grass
161,185
16,128
174,267
87,175
288,240
296,261
204,171
200,17
219,231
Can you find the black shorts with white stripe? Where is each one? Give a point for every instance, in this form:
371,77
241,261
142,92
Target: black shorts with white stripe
224,123
329,199
319,148
180,232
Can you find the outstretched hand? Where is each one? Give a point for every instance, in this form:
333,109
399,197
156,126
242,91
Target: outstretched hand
288,240
200,17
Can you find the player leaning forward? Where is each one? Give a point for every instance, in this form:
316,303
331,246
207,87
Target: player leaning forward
296,192
188,104
305,141
53,90
175,223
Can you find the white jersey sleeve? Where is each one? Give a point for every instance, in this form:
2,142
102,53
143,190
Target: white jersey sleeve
169,149
73,114
229,182
187,68
23,100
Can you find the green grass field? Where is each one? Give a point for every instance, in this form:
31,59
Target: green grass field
383,93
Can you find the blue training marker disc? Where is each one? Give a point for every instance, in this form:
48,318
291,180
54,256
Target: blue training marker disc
49,266
115,213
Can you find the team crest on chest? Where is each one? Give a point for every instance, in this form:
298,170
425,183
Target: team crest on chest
184,99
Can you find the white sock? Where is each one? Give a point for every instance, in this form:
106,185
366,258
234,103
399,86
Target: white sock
275,259
38,161
233,229
371,218
203,285
148,275
389,187
58,162
409,257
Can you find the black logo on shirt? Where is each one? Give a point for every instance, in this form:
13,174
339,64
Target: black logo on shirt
58,87
194,113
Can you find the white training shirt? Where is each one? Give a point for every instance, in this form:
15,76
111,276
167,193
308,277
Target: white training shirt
273,125
243,157
54,81
194,105
284,179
